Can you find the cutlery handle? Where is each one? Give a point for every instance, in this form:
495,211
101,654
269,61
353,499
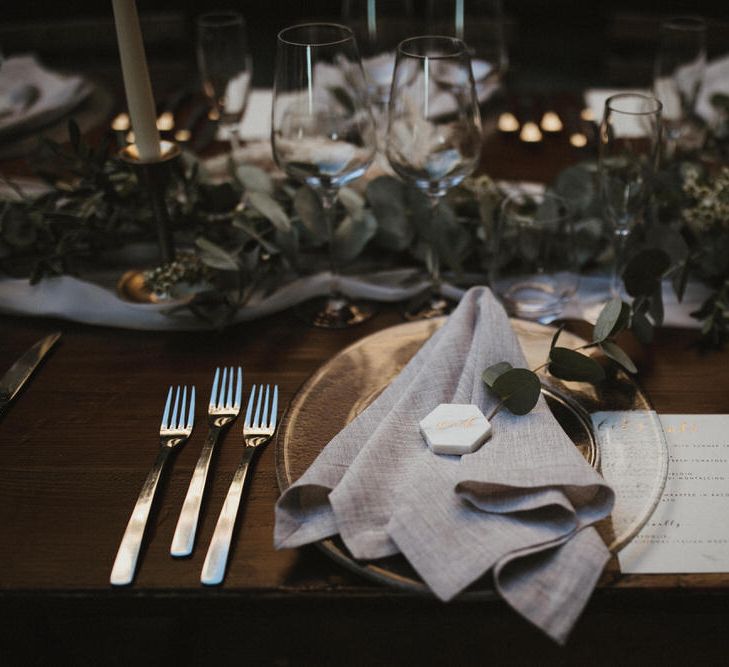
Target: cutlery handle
217,557
125,563
184,537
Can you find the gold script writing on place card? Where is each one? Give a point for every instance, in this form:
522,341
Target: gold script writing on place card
457,423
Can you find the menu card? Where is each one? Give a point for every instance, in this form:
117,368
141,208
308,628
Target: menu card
689,531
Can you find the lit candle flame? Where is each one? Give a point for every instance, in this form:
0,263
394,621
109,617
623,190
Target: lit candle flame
120,123
530,133
578,140
551,122
130,137
213,115
183,135
166,122
508,122
587,115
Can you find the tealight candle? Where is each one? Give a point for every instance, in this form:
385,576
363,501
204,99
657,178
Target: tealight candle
530,133
455,428
551,122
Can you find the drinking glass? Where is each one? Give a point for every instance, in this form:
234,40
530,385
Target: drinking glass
226,69
323,133
434,131
480,24
534,271
630,136
679,71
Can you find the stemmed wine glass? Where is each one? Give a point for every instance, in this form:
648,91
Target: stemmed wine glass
434,133
323,133
226,68
679,71
630,136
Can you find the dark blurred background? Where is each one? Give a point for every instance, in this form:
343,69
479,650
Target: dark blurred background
553,45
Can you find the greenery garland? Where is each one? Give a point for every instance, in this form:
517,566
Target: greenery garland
251,233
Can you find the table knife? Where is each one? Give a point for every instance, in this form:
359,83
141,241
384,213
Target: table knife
22,369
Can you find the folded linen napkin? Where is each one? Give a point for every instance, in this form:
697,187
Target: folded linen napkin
54,94
521,506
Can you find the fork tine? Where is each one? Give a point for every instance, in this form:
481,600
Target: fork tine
249,410
173,421
214,391
238,389
274,408
264,417
166,413
181,424
257,418
191,409
223,384
229,396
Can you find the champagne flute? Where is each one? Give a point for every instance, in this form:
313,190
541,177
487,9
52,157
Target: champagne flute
679,71
226,69
323,134
434,134
630,136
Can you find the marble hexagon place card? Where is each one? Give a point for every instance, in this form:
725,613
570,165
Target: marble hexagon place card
455,428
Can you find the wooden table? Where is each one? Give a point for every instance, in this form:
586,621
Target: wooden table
77,444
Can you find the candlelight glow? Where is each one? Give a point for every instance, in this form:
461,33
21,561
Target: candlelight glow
130,137
551,122
530,133
166,122
183,135
120,123
213,115
587,114
578,140
508,122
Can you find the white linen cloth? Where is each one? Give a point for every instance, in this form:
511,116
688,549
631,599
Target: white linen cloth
91,303
521,506
57,94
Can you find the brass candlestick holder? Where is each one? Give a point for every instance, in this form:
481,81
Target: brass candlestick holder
154,176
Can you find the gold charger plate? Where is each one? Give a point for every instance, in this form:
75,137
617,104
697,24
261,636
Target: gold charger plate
612,424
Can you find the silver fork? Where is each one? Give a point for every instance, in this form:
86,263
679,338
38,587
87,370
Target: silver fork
173,433
257,431
223,409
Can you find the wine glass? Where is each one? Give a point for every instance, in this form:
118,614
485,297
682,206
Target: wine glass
480,24
630,136
323,134
434,133
226,69
679,71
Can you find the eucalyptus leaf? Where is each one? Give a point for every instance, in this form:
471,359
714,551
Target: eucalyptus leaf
655,309
311,213
642,328
270,209
352,236
556,336
568,364
254,179
214,256
386,196
492,373
352,201
616,353
613,318
680,279
519,390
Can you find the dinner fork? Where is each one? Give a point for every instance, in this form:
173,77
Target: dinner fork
173,433
257,431
223,409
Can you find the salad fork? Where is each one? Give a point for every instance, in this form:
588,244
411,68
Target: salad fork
223,409
258,429
173,433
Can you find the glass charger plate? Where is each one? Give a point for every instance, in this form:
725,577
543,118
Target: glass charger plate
613,425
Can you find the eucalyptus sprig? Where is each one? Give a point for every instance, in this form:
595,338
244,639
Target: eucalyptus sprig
518,389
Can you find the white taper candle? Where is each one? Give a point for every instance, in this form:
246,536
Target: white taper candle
140,100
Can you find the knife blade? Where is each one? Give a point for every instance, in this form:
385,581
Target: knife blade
18,374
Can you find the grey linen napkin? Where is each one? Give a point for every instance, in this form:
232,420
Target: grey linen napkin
521,506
